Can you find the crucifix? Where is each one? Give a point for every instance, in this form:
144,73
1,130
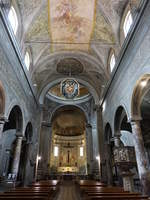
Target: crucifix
68,156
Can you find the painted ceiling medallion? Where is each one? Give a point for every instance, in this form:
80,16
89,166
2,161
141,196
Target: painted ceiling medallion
70,88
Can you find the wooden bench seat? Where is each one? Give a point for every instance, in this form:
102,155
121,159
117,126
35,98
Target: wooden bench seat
125,197
25,197
90,190
111,194
45,190
90,183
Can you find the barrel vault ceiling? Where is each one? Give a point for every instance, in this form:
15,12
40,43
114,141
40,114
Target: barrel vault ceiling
71,31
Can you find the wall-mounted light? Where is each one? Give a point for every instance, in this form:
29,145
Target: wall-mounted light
98,158
55,151
81,151
39,158
143,83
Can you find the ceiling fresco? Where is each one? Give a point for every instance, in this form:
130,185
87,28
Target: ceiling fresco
69,25
79,32
69,121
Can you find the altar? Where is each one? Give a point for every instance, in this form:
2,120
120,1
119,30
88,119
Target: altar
68,169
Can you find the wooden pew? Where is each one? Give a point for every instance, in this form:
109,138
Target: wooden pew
126,197
92,190
90,183
44,190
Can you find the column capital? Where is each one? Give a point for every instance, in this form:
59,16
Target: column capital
117,136
47,124
19,135
97,107
135,119
3,119
88,125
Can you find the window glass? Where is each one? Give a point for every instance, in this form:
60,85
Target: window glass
55,151
81,151
112,62
127,23
27,60
12,16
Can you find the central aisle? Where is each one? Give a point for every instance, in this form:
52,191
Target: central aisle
68,191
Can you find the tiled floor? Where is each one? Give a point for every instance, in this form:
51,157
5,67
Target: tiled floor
68,191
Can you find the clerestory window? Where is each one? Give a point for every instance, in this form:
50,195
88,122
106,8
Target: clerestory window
127,23
12,17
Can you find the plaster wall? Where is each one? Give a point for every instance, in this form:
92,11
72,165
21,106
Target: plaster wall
17,90
133,65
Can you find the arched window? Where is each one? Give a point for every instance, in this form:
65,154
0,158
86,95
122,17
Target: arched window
81,151
56,151
12,16
127,23
112,62
27,60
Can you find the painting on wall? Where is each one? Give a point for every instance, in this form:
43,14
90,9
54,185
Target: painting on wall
71,24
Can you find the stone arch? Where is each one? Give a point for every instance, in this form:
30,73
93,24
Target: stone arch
141,88
75,106
107,133
121,121
15,120
88,85
2,99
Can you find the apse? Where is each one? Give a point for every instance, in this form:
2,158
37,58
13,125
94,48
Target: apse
68,145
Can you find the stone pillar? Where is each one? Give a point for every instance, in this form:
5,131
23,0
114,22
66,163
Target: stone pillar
89,147
117,143
128,183
46,148
2,122
117,140
142,163
16,156
108,154
101,146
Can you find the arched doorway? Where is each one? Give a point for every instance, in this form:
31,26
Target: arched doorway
68,147
25,154
12,137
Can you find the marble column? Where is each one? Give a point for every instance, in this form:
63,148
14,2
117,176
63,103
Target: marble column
16,156
108,154
45,153
117,141
89,147
101,145
2,122
142,162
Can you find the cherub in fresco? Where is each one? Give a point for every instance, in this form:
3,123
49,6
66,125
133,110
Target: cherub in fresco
66,11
